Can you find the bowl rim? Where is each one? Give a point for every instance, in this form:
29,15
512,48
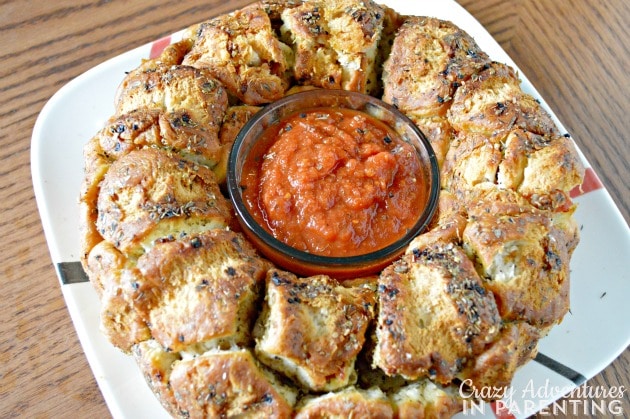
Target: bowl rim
235,190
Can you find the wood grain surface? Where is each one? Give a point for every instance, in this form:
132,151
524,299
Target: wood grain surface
574,52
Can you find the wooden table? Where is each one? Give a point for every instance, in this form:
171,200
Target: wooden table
575,53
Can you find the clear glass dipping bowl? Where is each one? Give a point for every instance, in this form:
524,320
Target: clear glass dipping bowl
301,262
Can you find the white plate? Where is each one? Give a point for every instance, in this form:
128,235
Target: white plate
600,275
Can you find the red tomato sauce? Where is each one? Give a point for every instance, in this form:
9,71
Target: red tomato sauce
334,182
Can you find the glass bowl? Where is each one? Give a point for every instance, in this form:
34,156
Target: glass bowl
300,261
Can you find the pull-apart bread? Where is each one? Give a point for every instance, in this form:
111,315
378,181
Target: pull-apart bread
218,331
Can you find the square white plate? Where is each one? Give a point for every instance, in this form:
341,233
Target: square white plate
588,339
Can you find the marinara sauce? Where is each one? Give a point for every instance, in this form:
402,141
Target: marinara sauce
334,182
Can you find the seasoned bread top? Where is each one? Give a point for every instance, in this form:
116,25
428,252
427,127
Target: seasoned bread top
240,50
335,43
457,318
312,329
200,292
147,195
192,95
229,384
429,60
492,103
349,402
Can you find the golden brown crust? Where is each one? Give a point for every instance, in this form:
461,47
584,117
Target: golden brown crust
147,195
172,55
120,322
103,260
456,319
425,399
242,52
229,384
439,132
171,131
335,43
95,167
312,329
200,292
566,229
537,166
139,129
156,364
447,224
392,21
235,118
552,165
274,9
495,367
190,294
525,262
429,59
347,403
492,103
472,162
173,107
542,169
192,95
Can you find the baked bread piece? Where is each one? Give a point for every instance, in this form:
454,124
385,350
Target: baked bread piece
434,314
516,344
127,205
201,291
425,399
229,384
274,9
346,403
235,118
523,257
335,43
439,132
429,59
190,294
312,329
538,166
112,275
156,364
159,105
492,103
183,106
241,50
392,21
447,224
139,129
191,94
96,165
472,162
148,195
172,55
542,169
